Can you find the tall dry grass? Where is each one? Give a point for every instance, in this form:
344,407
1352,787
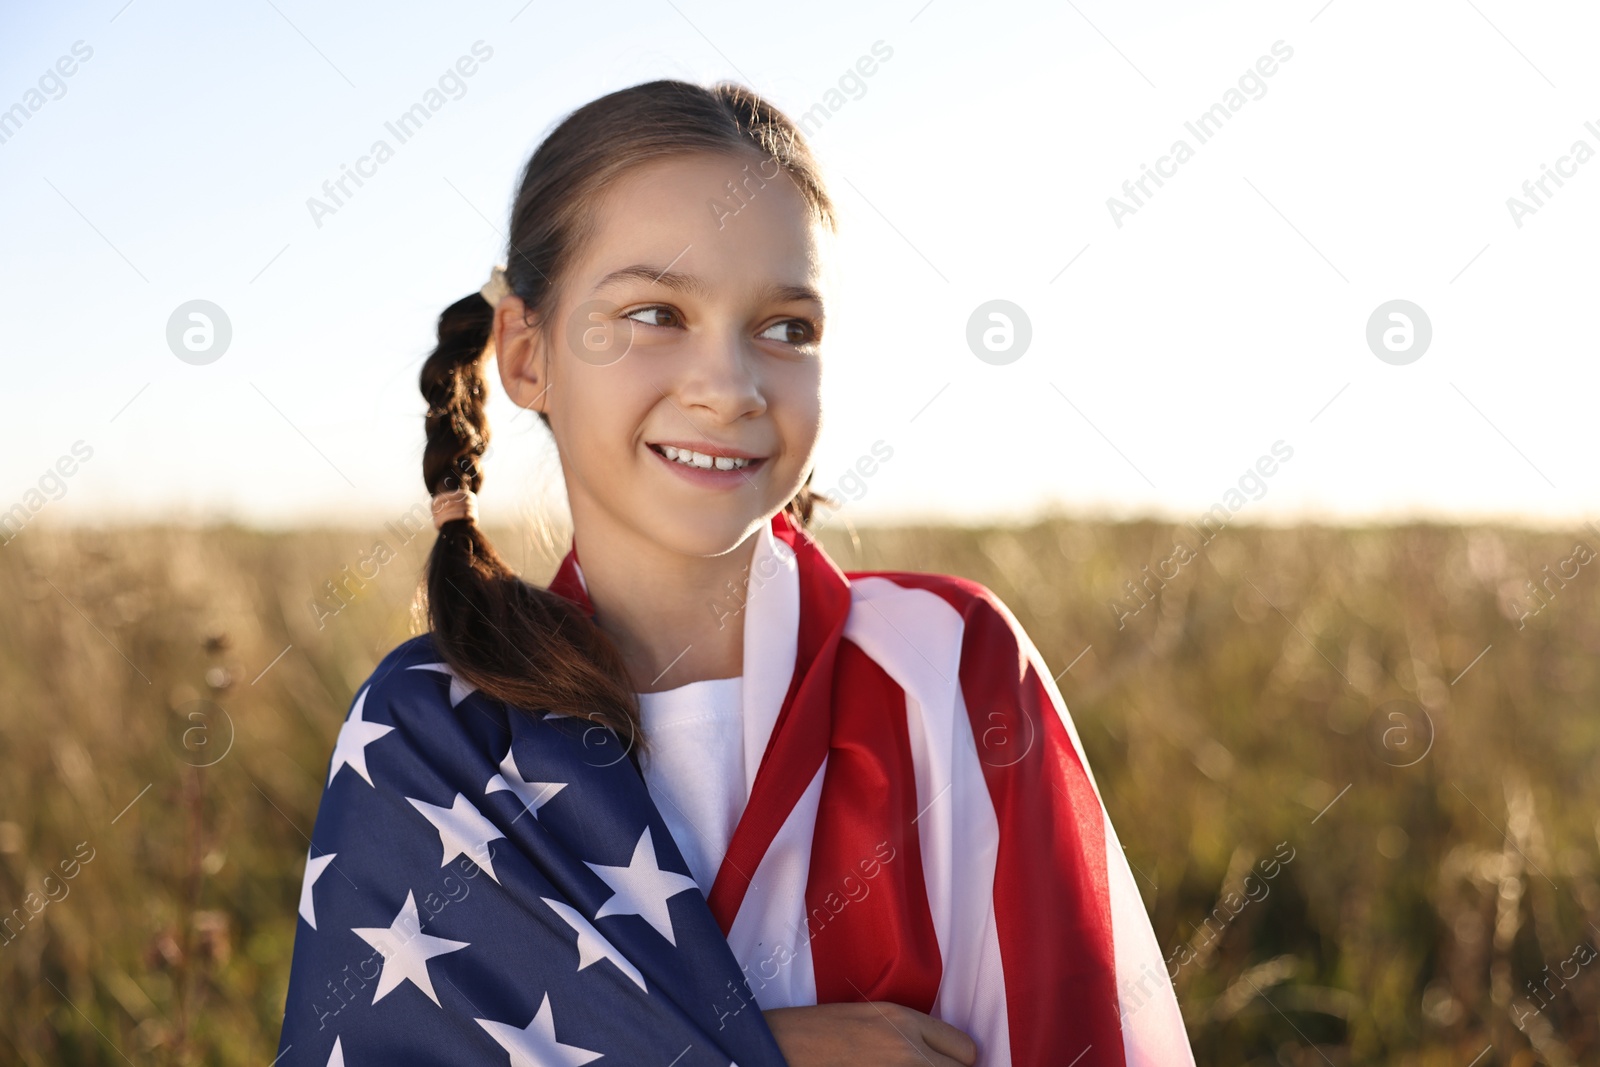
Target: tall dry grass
1362,838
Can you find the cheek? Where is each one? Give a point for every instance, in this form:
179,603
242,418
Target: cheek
798,411
597,412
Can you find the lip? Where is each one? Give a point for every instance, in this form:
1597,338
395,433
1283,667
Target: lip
713,478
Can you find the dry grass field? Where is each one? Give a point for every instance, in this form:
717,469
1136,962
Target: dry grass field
1355,771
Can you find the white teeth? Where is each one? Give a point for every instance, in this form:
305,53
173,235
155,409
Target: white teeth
703,461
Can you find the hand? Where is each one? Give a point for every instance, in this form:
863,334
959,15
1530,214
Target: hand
879,1033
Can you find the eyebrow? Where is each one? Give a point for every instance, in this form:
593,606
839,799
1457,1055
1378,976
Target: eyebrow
696,286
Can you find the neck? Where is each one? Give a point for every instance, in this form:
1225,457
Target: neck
675,618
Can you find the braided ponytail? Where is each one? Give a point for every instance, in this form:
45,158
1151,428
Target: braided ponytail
515,641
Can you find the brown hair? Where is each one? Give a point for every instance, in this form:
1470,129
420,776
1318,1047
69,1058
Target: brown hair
515,641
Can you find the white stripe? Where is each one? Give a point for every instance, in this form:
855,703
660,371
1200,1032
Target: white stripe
771,638
915,636
769,936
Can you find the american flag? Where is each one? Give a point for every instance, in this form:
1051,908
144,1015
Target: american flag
491,885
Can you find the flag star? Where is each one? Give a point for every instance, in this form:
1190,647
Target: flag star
406,950
534,795
315,865
535,1045
642,888
462,831
593,946
336,1057
354,737
459,689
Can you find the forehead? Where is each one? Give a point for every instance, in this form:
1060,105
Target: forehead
739,223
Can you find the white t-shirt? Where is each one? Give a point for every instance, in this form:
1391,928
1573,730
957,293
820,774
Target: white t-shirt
695,771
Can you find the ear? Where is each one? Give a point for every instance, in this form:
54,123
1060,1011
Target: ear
521,354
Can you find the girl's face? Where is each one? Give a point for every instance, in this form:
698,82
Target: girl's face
688,329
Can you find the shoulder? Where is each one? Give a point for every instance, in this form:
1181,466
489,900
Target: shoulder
974,603
410,686
414,733
956,629
417,650
395,672
944,618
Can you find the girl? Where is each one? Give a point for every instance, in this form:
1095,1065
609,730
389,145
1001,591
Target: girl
706,798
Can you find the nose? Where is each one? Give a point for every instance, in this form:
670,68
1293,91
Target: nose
721,379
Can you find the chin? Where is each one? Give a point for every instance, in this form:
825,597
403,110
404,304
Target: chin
709,532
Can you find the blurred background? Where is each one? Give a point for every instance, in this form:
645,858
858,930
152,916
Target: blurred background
1272,439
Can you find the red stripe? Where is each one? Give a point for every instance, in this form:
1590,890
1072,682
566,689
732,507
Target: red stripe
872,933
1051,892
567,583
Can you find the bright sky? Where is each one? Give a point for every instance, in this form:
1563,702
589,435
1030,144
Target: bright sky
1227,313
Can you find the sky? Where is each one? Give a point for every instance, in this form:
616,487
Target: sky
1332,282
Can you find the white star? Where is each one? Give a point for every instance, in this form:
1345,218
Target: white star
534,795
406,950
642,888
315,865
462,831
459,690
592,944
336,1057
535,1045
354,737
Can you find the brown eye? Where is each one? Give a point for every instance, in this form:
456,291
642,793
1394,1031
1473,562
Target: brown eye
654,310
796,331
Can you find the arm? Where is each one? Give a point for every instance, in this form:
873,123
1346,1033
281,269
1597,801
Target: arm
879,1033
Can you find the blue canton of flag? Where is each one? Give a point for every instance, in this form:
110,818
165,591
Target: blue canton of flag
488,885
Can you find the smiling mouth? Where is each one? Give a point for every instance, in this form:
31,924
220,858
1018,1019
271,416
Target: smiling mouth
704,461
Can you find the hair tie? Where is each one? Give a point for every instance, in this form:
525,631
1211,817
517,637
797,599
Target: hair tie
447,507
496,287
